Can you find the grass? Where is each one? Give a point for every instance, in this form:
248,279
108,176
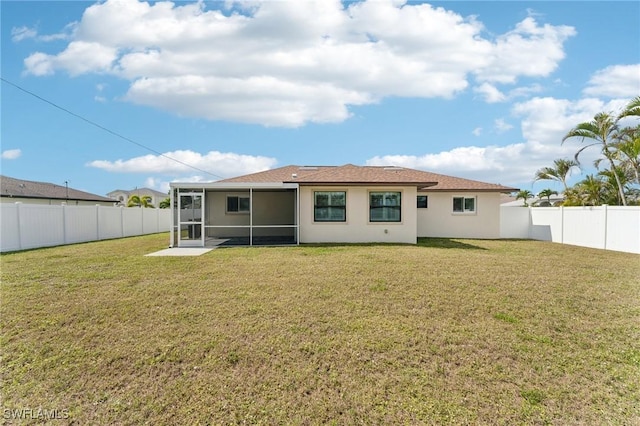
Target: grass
447,331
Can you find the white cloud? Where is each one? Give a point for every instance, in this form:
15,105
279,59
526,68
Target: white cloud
528,50
502,126
11,154
616,81
290,63
151,182
490,93
547,120
100,88
524,91
477,131
22,33
19,34
220,164
470,160
544,122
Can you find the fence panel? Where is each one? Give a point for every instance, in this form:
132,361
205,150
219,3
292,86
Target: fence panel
514,222
10,237
546,224
132,221
584,226
41,226
110,223
81,223
605,227
623,229
26,226
149,221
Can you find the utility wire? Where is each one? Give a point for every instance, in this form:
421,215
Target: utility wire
99,126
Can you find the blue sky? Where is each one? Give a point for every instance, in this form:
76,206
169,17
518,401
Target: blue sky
483,90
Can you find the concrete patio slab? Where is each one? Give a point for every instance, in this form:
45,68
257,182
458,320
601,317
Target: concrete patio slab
181,251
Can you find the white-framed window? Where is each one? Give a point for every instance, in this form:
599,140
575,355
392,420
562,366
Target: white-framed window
238,204
330,206
464,204
422,201
385,206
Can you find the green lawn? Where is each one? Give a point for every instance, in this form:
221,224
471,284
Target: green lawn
448,331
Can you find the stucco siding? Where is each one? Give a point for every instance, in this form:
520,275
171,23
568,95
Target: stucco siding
357,228
439,220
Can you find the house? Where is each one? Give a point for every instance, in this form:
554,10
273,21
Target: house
122,196
32,192
536,201
333,204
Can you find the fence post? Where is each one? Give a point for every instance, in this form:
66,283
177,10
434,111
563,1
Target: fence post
606,210
561,224
98,222
18,204
64,222
121,221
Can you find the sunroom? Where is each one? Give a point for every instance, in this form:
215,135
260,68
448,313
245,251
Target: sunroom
234,214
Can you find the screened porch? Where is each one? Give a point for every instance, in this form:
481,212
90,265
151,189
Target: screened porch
208,215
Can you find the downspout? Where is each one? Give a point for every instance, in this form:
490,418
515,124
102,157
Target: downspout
250,216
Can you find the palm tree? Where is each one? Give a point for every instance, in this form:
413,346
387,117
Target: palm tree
139,201
632,109
610,179
165,204
525,194
592,190
547,193
558,172
603,130
628,150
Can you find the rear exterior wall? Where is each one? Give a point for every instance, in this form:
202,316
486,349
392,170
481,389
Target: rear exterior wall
358,228
439,220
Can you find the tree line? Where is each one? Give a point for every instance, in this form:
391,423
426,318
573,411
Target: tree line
617,181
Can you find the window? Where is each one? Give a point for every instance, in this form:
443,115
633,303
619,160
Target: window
423,201
330,206
384,206
464,204
237,204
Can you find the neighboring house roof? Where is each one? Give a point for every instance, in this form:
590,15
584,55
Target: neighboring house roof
350,174
20,188
535,201
136,191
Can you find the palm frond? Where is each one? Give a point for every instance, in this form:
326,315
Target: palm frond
632,108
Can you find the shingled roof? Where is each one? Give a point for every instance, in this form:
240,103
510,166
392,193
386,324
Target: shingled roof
11,187
377,175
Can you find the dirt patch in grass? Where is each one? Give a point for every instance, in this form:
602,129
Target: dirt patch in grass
447,331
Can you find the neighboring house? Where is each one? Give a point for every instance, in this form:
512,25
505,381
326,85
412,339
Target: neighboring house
122,196
31,192
553,201
334,204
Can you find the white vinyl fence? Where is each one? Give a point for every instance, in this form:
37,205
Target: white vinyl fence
27,226
604,227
